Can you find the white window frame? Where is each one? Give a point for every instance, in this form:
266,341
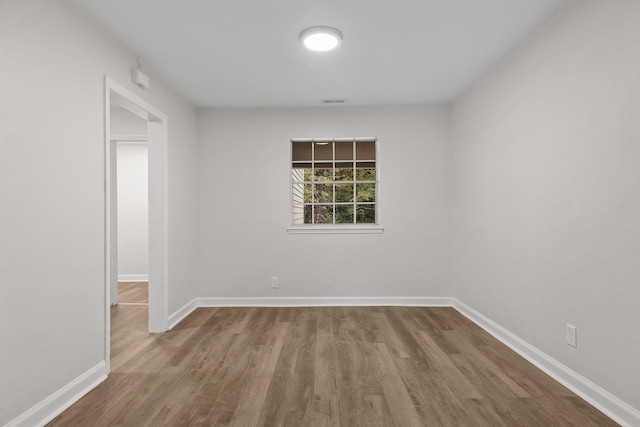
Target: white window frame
335,228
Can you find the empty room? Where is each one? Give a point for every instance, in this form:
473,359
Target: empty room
314,213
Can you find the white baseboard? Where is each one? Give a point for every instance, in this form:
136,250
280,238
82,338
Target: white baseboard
133,278
54,405
325,301
619,411
182,312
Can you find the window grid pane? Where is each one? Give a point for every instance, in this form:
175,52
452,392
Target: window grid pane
337,185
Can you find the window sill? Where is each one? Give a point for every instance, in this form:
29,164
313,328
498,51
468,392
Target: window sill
336,229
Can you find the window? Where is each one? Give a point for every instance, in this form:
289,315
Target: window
334,182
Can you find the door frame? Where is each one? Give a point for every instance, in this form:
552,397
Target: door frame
158,208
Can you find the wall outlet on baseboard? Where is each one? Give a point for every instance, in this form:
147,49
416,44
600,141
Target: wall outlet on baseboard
572,336
274,282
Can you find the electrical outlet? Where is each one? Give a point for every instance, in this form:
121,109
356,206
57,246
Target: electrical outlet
572,336
274,282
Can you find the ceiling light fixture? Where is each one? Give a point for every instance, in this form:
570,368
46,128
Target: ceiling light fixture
321,39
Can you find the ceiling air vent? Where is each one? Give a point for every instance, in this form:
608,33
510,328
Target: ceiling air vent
333,101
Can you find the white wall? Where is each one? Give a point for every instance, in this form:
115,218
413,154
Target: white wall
124,122
547,192
52,66
133,211
244,206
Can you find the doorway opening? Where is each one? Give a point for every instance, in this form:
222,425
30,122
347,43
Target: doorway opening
118,97
129,133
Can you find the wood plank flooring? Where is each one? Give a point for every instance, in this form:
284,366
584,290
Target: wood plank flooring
133,292
321,366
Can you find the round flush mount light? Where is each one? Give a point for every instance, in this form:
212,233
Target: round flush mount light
321,39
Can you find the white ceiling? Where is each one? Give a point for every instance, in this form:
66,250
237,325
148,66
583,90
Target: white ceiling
221,53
